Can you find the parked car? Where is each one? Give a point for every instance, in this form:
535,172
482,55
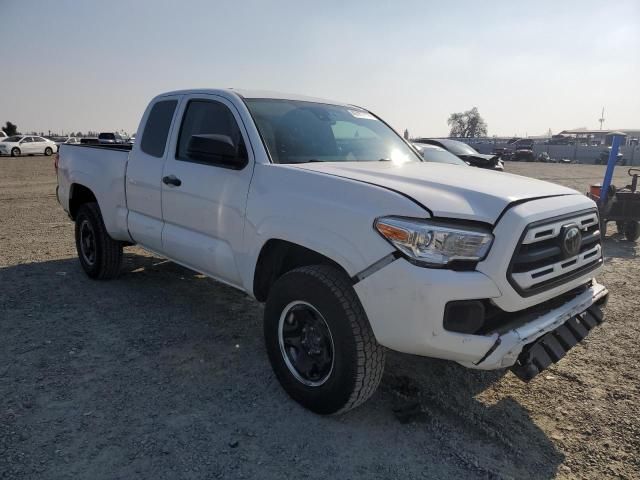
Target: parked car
354,242
26,145
67,141
523,155
520,143
603,158
433,153
466,153
110,138
132,139
2,135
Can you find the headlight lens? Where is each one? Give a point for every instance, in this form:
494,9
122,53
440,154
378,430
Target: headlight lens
433,243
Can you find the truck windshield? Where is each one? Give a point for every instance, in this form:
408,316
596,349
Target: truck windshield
298,132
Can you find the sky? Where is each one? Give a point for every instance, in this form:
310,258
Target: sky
528,66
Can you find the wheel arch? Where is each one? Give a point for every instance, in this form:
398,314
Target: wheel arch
79,195
278,257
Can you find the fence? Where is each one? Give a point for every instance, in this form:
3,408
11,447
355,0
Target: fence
580,153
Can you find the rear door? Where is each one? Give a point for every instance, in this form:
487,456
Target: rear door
144,173
27,145
39,144
204,200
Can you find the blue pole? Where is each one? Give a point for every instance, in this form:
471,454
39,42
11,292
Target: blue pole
611,164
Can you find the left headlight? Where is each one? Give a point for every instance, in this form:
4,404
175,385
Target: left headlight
434,243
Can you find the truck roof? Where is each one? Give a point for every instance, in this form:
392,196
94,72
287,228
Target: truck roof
255,94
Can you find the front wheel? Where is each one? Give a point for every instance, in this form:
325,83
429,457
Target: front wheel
319,340
99,254
48,151
15,152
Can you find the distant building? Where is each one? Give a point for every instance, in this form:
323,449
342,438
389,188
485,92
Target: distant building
597,137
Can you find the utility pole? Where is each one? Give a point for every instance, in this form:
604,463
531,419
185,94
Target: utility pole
601,119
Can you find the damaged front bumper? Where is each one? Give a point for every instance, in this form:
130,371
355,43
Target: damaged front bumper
531,347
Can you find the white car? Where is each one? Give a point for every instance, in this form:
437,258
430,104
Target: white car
67,141
27,145
2,135
354,242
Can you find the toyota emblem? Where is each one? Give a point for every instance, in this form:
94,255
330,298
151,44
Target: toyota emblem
571,238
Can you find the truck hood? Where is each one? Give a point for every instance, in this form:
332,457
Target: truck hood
452,191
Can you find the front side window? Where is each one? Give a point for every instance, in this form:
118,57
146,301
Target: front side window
28,139
107,136
154,135
298,131
210,134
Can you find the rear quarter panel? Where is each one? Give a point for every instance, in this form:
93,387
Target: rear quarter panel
101,170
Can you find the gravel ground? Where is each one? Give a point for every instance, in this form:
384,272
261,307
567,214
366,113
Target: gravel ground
163,374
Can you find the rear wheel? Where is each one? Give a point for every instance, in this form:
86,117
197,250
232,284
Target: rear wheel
319,340
99,254
48,151
15,151
632,231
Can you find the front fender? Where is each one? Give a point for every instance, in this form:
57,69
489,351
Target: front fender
330,215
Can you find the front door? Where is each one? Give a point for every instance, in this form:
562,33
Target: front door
204,199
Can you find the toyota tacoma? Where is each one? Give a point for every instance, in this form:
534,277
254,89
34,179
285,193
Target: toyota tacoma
355,243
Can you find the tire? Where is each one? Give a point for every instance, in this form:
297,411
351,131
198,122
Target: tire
15,151
99,254
48,151
357,360
632,231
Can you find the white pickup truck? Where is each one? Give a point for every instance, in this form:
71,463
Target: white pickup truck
354,242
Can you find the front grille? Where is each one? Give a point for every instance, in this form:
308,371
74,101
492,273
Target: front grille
540,262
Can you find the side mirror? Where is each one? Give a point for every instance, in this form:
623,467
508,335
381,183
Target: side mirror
212,148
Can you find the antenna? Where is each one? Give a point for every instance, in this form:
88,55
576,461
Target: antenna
601,119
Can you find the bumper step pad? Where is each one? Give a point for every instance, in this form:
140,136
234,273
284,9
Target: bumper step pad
551,347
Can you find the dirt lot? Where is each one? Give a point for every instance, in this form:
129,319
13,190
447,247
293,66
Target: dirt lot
163,374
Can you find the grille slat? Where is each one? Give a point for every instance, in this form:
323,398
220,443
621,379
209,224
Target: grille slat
539,262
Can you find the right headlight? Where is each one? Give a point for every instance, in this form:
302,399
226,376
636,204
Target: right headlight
435,243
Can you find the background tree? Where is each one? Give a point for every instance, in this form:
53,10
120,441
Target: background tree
10,129
467,124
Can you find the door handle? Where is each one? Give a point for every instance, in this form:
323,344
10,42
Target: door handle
172,180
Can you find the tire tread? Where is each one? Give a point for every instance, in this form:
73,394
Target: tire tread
370,354
110,257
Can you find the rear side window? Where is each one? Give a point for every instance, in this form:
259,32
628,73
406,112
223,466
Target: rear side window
154,136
